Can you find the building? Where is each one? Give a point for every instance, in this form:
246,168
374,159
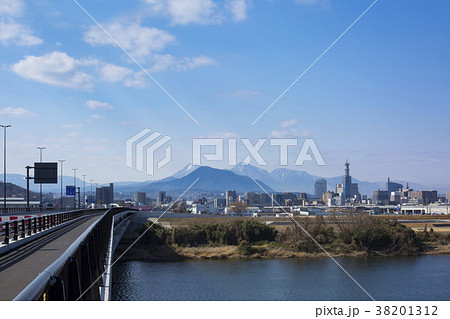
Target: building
252,199
328,195
220,202
422,210
160,198
347,188
230,197
140,198
393,187
336,201
251,211
448,196
302,196
380,197
287,199
424,197
104,195
320,187
19,203
199,208
395,198
265,200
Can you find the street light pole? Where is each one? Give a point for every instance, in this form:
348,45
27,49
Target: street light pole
4,164
75,186
91,194
84,191
40,148
62,196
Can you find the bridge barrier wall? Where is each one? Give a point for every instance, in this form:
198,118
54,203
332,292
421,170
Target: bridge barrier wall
78,273
120,224
19,230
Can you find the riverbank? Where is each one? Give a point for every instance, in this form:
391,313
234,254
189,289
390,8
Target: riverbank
167,253
249,239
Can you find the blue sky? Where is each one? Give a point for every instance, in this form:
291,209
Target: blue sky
378,97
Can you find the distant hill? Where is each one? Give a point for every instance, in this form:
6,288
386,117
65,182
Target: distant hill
210,180
14,191
288,180
20,180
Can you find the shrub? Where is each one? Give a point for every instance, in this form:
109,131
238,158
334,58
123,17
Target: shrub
221,234
246,248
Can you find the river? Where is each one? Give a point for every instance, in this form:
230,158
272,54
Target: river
384,278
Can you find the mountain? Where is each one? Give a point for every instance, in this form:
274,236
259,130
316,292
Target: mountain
252,171
210,180
288,180
185,171
14,191
20,180
281,179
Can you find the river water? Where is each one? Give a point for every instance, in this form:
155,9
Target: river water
384,278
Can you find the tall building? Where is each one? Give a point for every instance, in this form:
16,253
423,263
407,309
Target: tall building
285,197
160,198
328,195
140,198
105,195
381,197
320,187
393,187
220,202
265,199
230,197
252,199
424,197
347,188
448,196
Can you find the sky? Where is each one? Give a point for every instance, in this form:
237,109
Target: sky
378,97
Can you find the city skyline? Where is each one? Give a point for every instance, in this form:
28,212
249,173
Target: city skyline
378,97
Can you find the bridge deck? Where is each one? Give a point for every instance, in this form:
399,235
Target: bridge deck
19,267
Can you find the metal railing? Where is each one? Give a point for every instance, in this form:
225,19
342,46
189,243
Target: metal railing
77,274
25,227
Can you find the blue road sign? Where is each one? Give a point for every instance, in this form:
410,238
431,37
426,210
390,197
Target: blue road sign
70,191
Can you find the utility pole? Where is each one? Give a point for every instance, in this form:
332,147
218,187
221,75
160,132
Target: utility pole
40,148
75,186
4,164
84,191
62,195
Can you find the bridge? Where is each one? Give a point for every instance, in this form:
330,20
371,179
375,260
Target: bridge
61,255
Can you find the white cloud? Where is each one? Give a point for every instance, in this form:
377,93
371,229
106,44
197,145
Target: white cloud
290,133
13,8
289,123
143,44
324,3
97,105
287,130
168,62
16,112
114,73
59,69
185,12
10,30
139,41
19,34
239,9
56,68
